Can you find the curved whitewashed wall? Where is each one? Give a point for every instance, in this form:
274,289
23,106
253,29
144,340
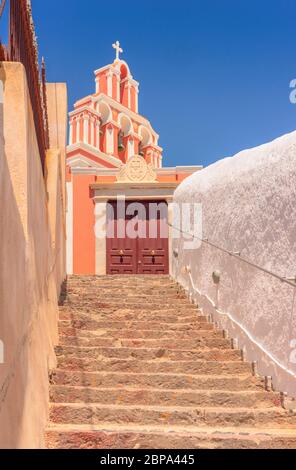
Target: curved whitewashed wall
249,206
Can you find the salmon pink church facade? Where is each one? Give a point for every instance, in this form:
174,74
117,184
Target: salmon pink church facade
113,153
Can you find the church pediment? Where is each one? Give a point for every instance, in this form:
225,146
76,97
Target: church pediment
81,161
137,170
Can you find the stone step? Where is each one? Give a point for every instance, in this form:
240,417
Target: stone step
135,325
126,285
117,278
166,437
168,292
79,413
146,343
132,316
180,397
149,354
139,366
126,295
158,381
235,368
175,310
140,334
151,304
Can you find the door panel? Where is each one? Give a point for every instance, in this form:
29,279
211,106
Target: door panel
121,252
146,254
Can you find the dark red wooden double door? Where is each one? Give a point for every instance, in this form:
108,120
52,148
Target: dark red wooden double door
137,238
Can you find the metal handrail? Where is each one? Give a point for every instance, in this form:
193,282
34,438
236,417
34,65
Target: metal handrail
287,280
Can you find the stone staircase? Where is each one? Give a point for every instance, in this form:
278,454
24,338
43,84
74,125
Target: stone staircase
139,366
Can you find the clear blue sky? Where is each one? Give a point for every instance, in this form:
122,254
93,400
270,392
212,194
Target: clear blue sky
214,71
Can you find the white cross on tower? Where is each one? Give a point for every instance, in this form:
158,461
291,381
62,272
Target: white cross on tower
118,49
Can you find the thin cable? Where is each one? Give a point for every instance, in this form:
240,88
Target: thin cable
235,255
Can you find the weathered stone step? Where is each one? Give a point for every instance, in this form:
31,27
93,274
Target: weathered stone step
169,291
135,325
159,381
128,293
115,279
151,304
149,354
166,437
180,397
132,316
145,310
140,334
126,285
164,366
146,343
93,292
79,413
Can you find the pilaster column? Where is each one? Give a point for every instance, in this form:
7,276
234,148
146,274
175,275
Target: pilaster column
92,131
97,129
71,133
137,99
100,236
129,99
85,129
137,141
109,76
118,87
78,120
97,84
109,138
131,147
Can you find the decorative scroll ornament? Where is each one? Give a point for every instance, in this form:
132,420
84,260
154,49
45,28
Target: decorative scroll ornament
136,170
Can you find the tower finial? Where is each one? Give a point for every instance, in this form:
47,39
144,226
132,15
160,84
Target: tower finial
118,49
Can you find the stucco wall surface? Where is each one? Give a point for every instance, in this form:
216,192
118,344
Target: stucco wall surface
28,279
248,207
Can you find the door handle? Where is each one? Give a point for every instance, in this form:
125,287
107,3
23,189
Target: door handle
121,252
152,253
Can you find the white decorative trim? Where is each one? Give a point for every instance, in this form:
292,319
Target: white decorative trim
123,109
97,84
129,87
69,228
85,129
110,140
101,243
87,109
118,66
131,148
109,117
83,101
179,170
126,116
71,133
97,129
93,152
144,128
137,98
110,84
112,67
80,161
78,139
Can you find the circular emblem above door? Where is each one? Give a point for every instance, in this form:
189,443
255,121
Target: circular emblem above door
137,170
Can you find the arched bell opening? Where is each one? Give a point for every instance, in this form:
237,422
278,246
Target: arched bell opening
125,131
146,140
